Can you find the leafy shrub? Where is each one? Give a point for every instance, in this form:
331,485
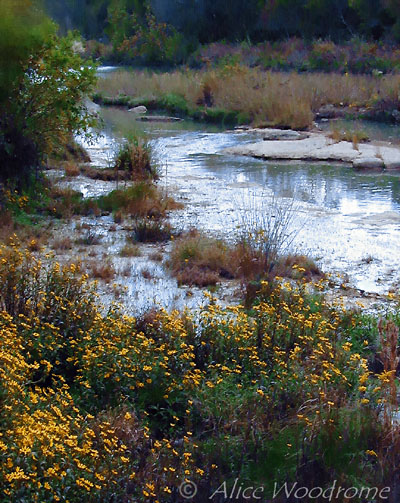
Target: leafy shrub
44,105
148,40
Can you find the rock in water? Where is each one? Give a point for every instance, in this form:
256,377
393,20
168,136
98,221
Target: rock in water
141,109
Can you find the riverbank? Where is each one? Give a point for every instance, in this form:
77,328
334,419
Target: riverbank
234,95
347,222
148,401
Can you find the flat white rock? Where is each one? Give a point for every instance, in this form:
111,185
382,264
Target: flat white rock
141,109
319,147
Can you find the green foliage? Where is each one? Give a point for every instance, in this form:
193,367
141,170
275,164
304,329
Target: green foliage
142,38
120,199
43,83
23,30
175,103
134,156
55,82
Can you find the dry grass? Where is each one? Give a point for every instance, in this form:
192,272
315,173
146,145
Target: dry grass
146,84
151,230
134,157
62,243
71,169
354,136
101,270
200,260
90,238
130,250
197,259
156,256
275,98
107,175
140,200
194,276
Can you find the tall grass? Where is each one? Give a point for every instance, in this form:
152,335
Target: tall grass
274,98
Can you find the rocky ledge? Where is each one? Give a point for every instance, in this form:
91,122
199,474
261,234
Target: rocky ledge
319,147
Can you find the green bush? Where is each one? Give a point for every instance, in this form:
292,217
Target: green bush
42,86
174,103
134,156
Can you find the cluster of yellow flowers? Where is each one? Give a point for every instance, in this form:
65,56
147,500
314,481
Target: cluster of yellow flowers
15,198
97,404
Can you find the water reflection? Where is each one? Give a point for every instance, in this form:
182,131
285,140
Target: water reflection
193,148
348,215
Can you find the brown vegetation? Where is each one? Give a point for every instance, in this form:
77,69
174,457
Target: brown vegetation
356,136
274,98
101,270
62,243
151,230
130,250
134,158
156,256
200,260
105,174
71,169
143,199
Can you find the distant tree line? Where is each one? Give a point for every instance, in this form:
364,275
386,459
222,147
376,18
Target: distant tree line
207,21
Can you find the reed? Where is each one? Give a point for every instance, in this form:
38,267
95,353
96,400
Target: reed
286,99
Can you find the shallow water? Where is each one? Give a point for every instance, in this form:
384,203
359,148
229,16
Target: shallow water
374,130
348,221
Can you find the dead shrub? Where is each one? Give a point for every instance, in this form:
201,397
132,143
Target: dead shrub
146,274
107,175
118,217
62,243
199,260
195,276
156,256
71,169
150,230
130,250
246,262
126,271
104,270
90,238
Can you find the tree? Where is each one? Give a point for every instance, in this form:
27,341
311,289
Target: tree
43,82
